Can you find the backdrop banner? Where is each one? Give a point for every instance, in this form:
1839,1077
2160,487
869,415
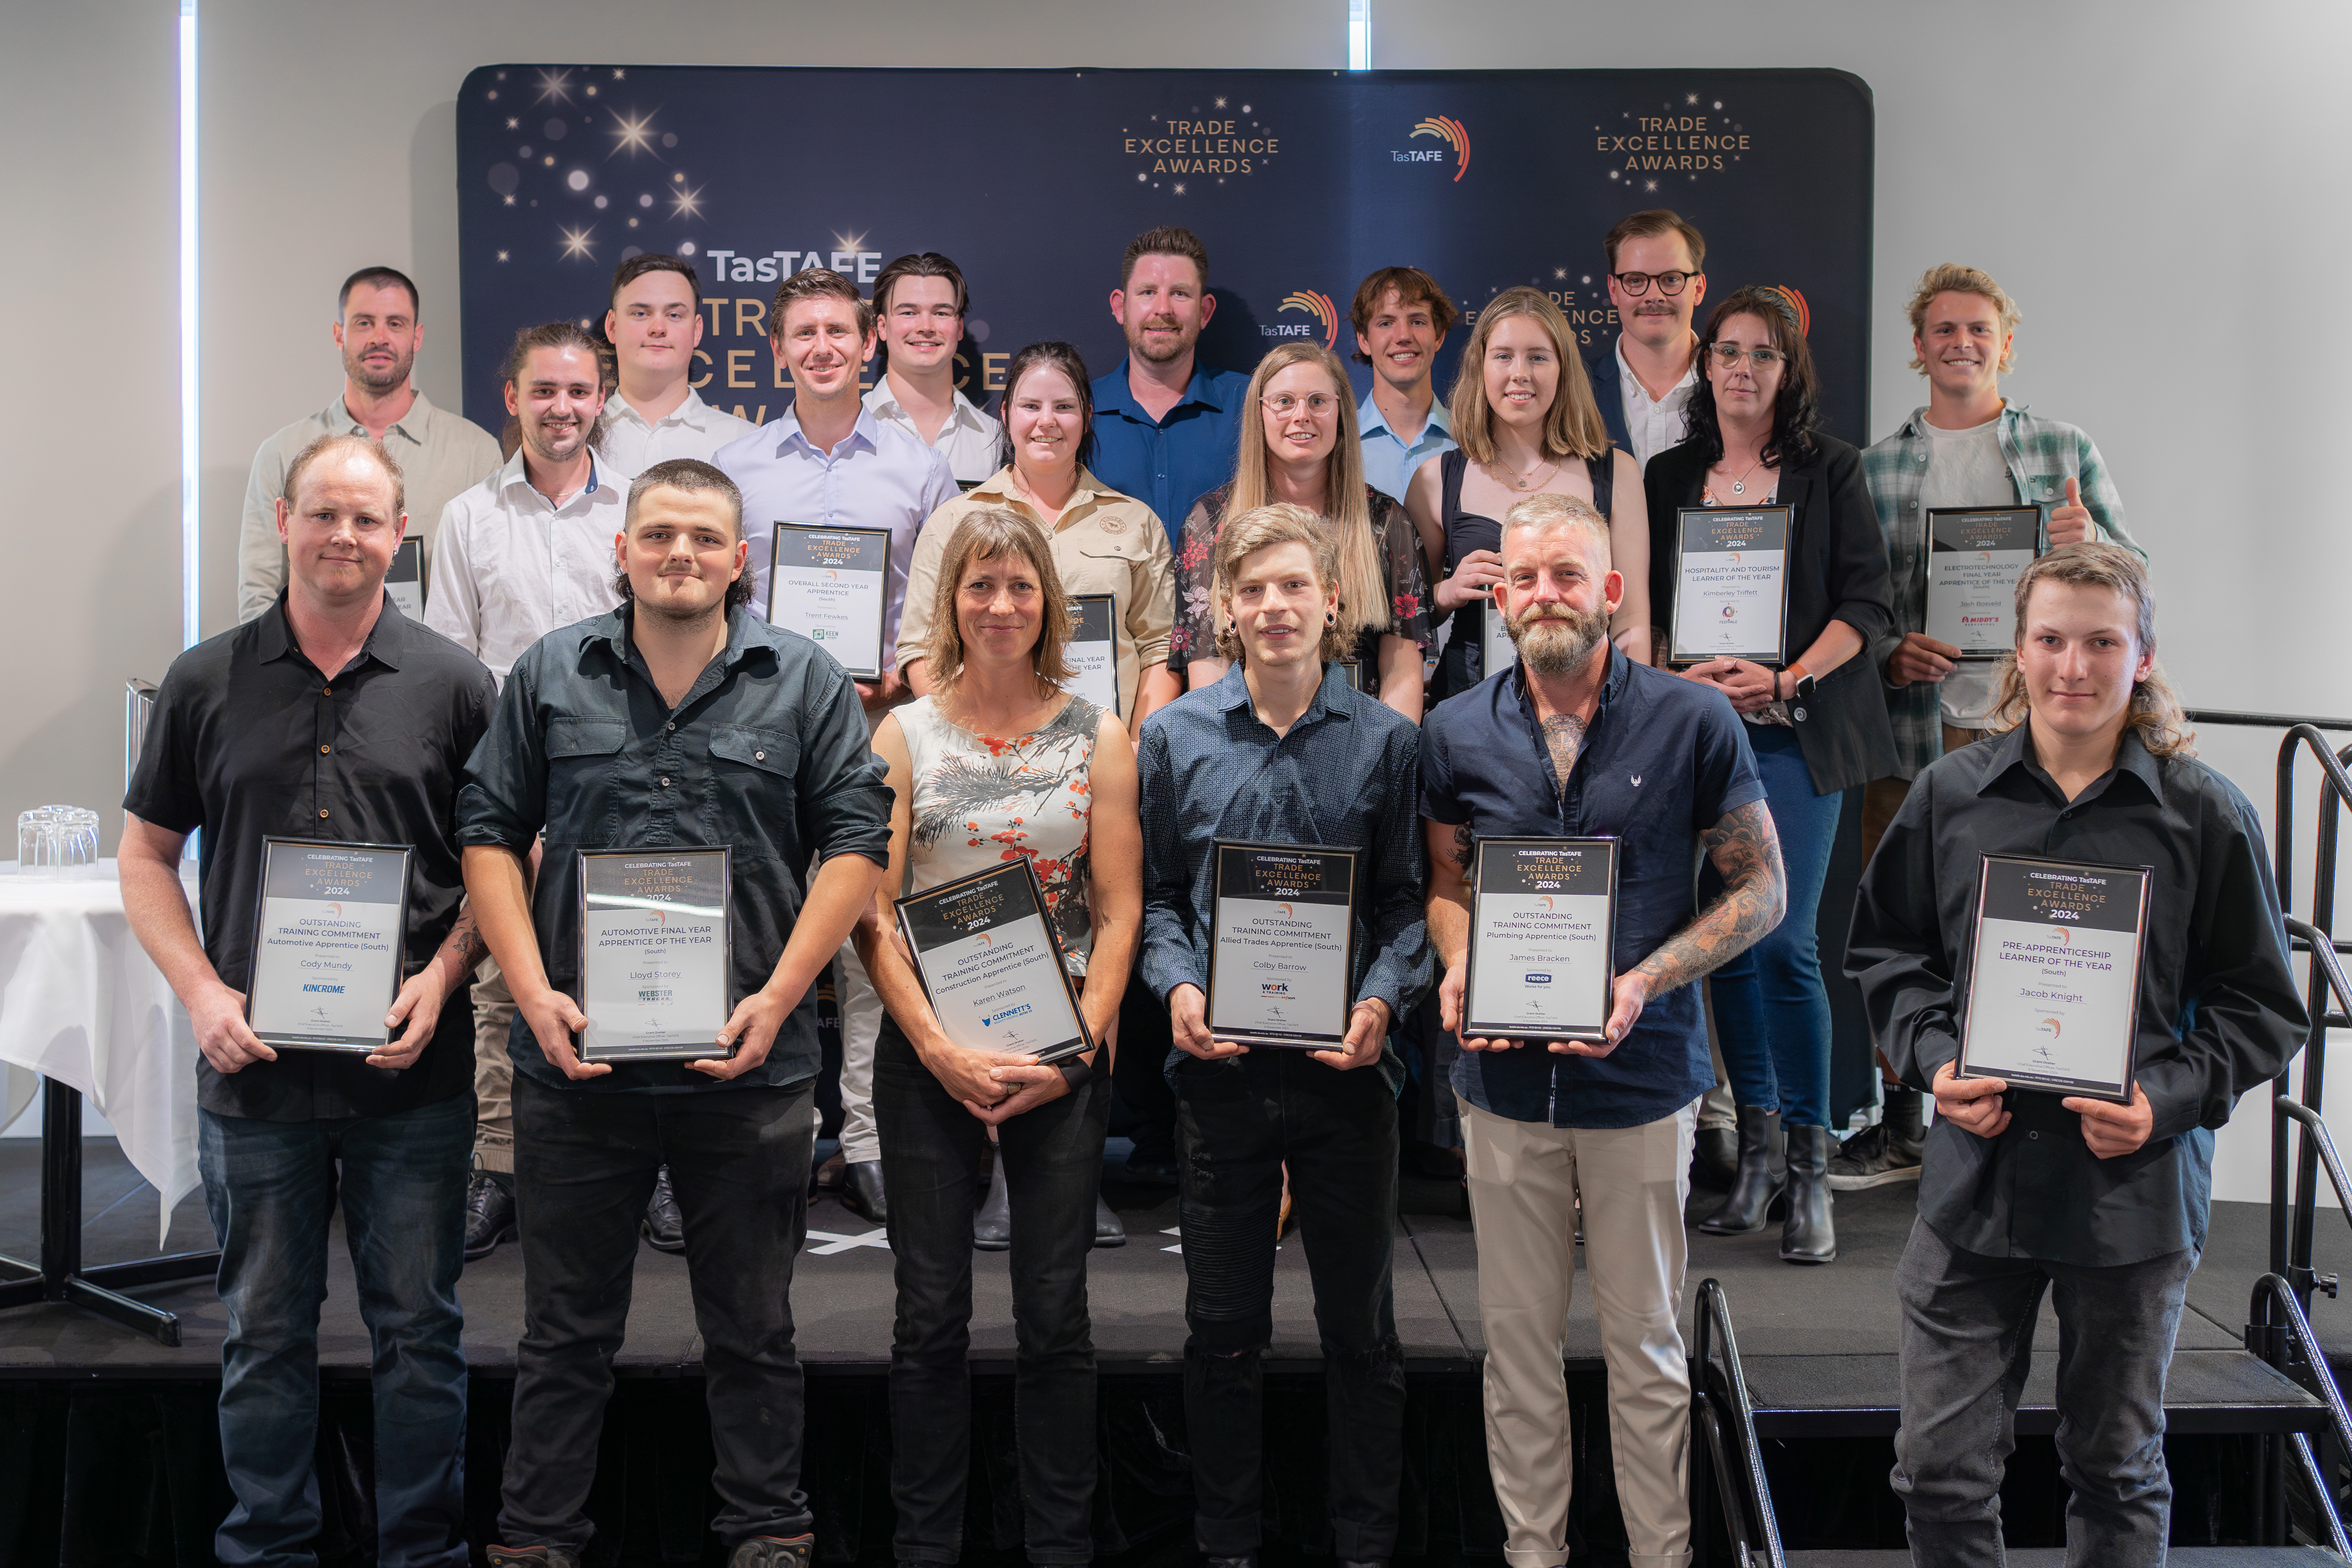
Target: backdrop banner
1298,183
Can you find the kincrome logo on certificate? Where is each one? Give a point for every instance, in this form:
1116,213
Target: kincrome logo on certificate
1313,303
1454,139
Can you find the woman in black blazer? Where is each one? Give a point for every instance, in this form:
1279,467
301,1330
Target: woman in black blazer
1818,725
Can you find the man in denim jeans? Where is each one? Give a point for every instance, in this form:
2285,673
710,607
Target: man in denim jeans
330,717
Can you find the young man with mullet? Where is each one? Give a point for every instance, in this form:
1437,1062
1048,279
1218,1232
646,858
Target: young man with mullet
829,462
2103,1206
333,716
919,302
1643,381
654,322
1576,741
679,719
1282,750
1968,447
1401,317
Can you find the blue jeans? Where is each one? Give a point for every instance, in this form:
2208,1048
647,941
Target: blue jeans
1772,1016
270,1188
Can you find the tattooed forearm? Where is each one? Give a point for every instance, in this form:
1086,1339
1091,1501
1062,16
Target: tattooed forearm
1563,736
1465,844
1746,849
464,946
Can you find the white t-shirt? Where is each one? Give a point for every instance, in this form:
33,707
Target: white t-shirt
1965,469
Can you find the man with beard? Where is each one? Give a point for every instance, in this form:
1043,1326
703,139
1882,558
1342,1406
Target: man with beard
1165,425
678,719
439,453
528,550
1575,740
1643,380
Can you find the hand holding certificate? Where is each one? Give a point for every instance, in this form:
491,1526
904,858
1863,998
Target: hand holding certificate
1974,559
1282,944
654,946
1731,585
330,939
2054,977
1543,925
992,968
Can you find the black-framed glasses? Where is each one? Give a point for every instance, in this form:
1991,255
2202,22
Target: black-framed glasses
1638,283
1729,354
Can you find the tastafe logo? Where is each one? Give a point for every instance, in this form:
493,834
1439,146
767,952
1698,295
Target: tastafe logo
1318,305
2053,1027
1797,304
1546,901
338,909
1287,914
1450,131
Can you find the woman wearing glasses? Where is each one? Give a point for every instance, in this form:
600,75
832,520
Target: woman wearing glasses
1817,723
1523,415
1302,448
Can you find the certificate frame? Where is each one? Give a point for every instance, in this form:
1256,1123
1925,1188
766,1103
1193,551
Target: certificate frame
1497,654
1972,1061
1486,852
315,1039
684,1051
1352,671
1108,604
1928,520
782,531
405,579
1017,880
1774,654
1222,865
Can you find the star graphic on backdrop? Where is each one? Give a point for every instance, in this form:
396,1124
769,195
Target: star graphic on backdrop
633,136
1691,99
556,85
1142,175
1612,174
1588,277
619,74
575,244
1559,273
685,203
513,123
1245,109
592,89
510,201
502,254
850,242
1649,185
1179,187
1718,103
1220,103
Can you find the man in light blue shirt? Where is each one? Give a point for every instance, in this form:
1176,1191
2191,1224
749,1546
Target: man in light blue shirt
1401,318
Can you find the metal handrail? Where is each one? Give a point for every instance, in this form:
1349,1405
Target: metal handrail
2261,721
2272,1291
1714,1318
2291,1203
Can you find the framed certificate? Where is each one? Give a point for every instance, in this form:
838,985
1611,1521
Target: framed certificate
330,938
992,967
1092,651
2053,975
1974,559
656,945
831,585
1352,672
1543,935
1731,585
1496,651
1282,944
405,581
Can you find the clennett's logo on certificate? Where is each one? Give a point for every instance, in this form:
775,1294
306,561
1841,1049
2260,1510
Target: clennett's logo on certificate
992,966
654,954
2053,978
1731,585
1282,939
831,584
328,939
1543,927
1974,559
1092,651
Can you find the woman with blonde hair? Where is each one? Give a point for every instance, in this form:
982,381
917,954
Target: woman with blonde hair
1525,423
1299,445
997,761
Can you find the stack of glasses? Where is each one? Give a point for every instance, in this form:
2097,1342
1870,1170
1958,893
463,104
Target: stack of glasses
56,841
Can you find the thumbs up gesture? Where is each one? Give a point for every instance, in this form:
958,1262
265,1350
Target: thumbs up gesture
2071,524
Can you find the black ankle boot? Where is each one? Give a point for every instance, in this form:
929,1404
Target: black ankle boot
1751,1188
1808,1234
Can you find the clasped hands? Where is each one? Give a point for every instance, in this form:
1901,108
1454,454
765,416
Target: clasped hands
1974,1105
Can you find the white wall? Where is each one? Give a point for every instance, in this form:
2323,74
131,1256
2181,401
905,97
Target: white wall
2161,185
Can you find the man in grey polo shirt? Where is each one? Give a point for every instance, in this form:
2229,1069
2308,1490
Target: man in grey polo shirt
377,329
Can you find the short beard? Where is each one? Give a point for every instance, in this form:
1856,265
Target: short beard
357,370
1135,346
1555,640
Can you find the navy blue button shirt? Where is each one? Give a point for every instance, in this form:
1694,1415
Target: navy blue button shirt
1172,462
1664,760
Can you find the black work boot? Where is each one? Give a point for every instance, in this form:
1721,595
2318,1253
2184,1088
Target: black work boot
1808,1234
1752,1186
1885,1154
489,1212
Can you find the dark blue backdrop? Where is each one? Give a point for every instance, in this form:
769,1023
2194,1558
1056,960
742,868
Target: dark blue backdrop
1299,181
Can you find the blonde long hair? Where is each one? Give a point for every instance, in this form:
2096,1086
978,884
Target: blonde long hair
992,534
2155,711
1363,588
1572,425
1250,531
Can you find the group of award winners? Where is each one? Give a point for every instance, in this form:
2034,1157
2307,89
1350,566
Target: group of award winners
1181,735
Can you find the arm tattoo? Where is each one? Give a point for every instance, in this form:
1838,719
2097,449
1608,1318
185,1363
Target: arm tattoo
1563,735
465,943
1466,850
1747,850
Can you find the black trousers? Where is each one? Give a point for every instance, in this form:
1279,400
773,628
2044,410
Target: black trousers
1242,1119
1052,1163
584,1167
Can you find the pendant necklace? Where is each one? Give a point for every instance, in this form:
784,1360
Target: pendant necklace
1520,484
1739,484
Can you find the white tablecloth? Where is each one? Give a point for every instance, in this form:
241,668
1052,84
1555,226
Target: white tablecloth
81,1003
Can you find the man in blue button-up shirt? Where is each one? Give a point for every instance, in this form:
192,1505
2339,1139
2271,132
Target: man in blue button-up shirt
1401,317
1166,426
1575,742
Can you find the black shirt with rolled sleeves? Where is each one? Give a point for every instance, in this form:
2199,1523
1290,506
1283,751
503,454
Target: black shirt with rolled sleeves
768,754
2218,1011
249,739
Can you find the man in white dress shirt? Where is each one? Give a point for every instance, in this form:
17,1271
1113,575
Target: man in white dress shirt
654,325
828,461
526,550
918,308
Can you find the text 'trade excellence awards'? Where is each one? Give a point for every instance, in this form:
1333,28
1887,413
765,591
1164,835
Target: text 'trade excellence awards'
992,966
2054,980
1731,585
655,947
1543,927
329,941
831,585
1283,940
1974,559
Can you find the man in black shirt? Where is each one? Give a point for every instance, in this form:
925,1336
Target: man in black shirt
2023,1191
680,719
331,717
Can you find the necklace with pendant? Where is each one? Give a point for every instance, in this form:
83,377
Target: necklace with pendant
1520,484
1739,484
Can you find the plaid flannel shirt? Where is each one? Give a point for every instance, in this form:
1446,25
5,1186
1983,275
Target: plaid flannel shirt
2042,456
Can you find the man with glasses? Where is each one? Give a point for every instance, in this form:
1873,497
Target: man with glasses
918,308
1643,382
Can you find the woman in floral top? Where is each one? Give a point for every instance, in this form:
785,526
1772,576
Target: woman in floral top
1302,448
